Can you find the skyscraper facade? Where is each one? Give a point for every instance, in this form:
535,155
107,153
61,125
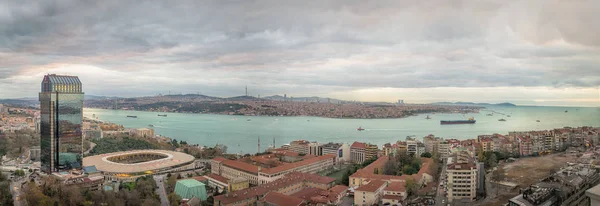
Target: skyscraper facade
61,107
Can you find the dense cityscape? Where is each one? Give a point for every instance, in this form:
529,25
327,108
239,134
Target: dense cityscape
116,165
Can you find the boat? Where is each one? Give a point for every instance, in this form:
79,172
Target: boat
507,115
360,129
162,115
537,120
469,121
132,116
150,125
427,117
490,114
502,120
566,111
248,120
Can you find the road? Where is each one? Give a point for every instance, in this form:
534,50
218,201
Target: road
15,188
92,145
160,182
440,192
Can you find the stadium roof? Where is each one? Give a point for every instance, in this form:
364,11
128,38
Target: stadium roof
103,164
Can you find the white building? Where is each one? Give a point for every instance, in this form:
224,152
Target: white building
462,177
315,149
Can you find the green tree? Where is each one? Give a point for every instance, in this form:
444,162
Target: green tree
426,154
19,173
174,199
411,186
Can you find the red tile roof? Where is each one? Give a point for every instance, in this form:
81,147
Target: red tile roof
200,178
241,166
339,189
290,166
358,145
308,193
275,198
217,178
396,187
372,186
260,190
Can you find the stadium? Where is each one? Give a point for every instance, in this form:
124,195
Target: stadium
129,165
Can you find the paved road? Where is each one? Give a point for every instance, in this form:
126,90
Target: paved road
160,182
15,188
440,192
92,145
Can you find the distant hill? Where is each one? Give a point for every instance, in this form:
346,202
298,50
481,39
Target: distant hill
304,99
507,104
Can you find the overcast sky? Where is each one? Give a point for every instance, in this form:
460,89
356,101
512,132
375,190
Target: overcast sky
527,52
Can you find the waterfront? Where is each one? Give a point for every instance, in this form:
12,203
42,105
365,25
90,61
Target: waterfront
240,135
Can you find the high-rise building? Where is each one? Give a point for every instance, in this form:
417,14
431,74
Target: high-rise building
61,108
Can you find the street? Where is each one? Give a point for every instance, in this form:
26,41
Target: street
15,188
441,197
160,182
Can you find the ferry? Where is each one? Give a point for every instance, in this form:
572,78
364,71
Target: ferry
502,120
427,117
131,116
469,121
150,125
162,115
537,120
360,129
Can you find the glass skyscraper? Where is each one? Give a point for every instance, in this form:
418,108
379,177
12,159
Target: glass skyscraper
61,108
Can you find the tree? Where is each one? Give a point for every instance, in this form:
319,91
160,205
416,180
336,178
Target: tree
20,173
346,178
411,186
391,167
426,154
171,181
174,199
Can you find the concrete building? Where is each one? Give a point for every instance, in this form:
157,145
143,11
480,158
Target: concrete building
431,143
462,177
594,195
370,193
338,150
411,147
315,149
142,133
34,153
394,193
388,150
299,146
257,175
371,151
61,109
358,152
420,149
443,150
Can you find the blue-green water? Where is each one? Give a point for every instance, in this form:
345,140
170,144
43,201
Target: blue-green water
240,135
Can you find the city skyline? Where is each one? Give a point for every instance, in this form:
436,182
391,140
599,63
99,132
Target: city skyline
524,52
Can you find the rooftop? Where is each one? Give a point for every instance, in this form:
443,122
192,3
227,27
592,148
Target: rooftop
372,186
275,198
103,164
191,183
358,145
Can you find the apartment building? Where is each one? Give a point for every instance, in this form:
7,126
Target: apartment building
371,151
443,150
342,151
300,146
462,177
315,149
431,143
358,152
411,146
370,193
388,150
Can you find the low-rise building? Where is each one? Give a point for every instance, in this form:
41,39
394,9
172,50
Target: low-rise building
299,146
315,149
394,193
358,152
142,133
370,193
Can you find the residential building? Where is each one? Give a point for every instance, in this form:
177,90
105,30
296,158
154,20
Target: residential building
420,149
290,184
315,149
370,193
462,177
335,148
412,147
443,150
566,187
358,152
431,143
388,150
299,146
594,195
525,145
61,113
371,151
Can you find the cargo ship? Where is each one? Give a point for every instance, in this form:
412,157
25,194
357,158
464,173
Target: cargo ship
469,121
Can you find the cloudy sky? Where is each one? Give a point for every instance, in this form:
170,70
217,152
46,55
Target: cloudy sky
543,52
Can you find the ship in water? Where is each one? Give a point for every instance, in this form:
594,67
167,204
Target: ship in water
360,129
162,115
131,116
502,120
469,121
427,117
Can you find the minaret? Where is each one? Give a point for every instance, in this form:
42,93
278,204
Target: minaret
246,90
258,144
273,142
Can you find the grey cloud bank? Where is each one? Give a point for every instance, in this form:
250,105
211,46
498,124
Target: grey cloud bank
329,48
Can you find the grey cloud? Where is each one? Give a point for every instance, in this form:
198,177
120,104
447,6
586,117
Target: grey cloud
333,45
